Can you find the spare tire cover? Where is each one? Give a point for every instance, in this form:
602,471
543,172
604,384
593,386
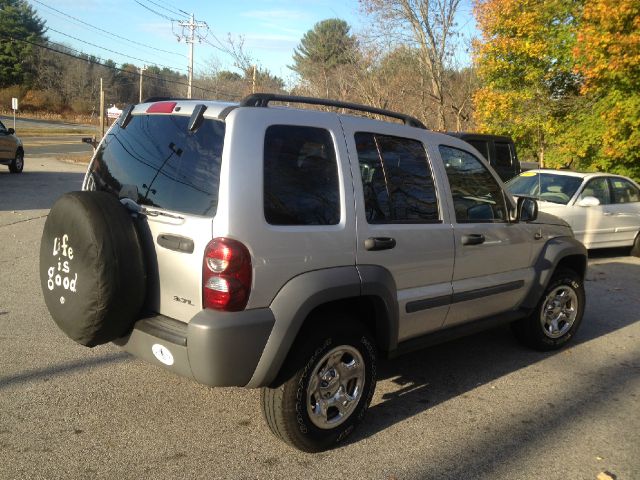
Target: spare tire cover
91,267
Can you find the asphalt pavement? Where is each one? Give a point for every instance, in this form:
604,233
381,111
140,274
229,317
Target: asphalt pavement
482,407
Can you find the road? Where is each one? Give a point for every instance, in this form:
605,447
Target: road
482,407
50,137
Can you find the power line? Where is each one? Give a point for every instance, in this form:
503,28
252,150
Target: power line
106,31
181,12
90,60
153,11
113,51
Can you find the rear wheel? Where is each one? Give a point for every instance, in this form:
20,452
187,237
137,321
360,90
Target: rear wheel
329,390
558,314
17,164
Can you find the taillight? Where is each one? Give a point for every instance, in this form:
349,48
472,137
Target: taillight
226,275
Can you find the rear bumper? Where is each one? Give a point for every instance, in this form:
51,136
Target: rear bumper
215,348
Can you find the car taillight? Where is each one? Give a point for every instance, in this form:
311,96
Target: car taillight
226,275
162,107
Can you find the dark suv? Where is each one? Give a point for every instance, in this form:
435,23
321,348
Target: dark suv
498,149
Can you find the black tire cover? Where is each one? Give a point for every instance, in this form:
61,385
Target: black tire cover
92,267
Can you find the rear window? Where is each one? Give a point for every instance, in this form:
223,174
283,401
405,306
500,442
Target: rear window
158,162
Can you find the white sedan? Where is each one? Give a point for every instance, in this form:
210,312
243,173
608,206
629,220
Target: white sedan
602,209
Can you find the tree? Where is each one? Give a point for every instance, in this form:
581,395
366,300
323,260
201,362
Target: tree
429,26
322,51
19,24
525,65
608,58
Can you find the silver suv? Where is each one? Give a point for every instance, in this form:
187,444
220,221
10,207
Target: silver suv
284,248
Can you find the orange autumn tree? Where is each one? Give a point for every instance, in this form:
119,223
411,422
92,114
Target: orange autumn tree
526,68
607,54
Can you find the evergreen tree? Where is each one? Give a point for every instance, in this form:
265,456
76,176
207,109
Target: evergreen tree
322,51
19,24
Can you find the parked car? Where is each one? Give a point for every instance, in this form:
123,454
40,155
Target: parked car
499,150
603,210
283,248
11,149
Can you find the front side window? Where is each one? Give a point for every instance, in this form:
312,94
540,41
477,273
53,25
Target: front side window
477,197
599,188
396,180
300,177
624,191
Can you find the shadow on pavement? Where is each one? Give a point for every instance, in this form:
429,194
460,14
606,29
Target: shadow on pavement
65,368
433,376
35,190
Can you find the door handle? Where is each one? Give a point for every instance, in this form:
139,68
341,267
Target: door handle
473,239
176,242
379,243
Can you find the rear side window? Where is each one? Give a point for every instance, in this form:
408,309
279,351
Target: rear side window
624,191
300,177
158,162
503,154
396,180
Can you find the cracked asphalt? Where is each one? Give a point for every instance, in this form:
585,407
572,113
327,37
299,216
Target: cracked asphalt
482,407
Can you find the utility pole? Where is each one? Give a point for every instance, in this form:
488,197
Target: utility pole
190,27
142,69
101,108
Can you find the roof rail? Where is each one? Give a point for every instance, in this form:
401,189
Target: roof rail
263,99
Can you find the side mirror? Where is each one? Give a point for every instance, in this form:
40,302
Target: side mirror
588,201
10,131
527,209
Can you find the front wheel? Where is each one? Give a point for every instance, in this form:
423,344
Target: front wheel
635,250
558,313
17,164
333,380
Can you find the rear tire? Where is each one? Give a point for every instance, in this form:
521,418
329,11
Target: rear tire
17,163
557,316
329,391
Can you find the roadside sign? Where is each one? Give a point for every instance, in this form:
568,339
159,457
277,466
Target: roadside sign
14,103
113,112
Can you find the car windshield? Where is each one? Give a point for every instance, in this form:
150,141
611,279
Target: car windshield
548,187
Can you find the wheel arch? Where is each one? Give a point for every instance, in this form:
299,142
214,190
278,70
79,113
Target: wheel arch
559,252
342,289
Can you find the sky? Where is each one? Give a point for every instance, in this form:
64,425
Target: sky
271,29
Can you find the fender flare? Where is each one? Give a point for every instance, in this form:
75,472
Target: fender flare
300,296
553,252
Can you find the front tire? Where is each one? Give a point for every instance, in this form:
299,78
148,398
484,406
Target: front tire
332,382
557,316
635,250
17,164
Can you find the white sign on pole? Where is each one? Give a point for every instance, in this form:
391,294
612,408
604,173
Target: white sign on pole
113,112
14,103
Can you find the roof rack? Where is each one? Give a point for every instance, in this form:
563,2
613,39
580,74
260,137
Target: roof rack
263,99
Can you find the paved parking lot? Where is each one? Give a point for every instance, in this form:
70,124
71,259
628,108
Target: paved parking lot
480,407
